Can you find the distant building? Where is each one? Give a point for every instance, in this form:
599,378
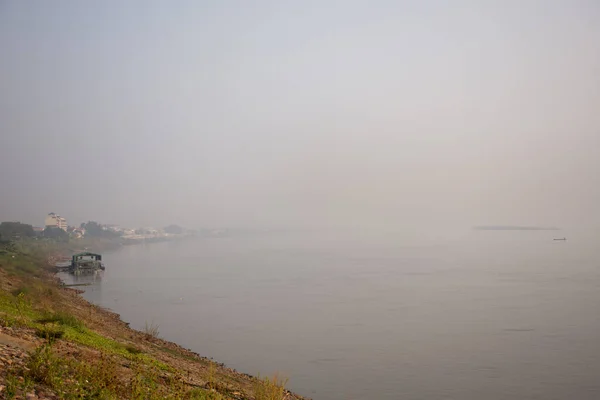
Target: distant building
78,233
112,228
151,231
56,221
128,232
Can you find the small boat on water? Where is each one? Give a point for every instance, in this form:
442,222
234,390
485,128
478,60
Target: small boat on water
560,238
82,263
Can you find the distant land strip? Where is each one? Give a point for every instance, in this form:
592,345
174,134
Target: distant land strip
515,228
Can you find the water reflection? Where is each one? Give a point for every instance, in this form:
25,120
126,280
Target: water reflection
82,278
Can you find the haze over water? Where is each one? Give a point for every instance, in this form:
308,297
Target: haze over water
387,117
376,315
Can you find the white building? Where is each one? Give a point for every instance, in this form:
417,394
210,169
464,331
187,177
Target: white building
112,228
56,221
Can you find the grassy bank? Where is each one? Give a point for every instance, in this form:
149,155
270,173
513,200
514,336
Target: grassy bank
72,349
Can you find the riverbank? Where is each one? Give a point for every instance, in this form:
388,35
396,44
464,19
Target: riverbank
55,344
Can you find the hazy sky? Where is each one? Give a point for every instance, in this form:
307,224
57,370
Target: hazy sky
290,113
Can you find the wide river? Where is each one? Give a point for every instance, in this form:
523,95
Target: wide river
476,315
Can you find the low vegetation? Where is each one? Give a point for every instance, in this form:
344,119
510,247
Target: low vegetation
151,329
102,378
270,389
80,351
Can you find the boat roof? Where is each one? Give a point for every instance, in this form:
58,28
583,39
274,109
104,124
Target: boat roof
87,253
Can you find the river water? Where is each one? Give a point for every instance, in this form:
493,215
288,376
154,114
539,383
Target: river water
473,315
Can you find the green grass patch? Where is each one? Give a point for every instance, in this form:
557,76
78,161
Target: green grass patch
101,378
8,321
19,264
24,290
92,339
133,350
160,365
63,318
50,332
96,341
17,308
73,379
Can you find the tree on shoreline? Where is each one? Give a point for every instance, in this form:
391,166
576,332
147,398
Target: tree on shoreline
53,232
14,230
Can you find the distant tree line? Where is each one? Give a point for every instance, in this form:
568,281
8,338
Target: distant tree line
15,230
92,228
